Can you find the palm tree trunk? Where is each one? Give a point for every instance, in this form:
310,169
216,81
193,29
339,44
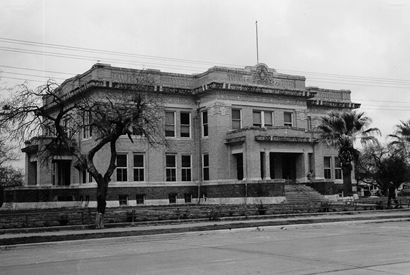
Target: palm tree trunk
347,179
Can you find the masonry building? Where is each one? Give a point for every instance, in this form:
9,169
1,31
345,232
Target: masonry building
235,135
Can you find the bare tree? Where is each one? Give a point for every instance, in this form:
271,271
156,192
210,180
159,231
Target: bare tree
59,119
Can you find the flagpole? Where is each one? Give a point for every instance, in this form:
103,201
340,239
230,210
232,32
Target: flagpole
257,47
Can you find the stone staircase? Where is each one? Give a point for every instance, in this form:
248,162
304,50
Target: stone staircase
302,194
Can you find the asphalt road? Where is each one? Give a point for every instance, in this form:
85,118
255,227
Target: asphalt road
337,248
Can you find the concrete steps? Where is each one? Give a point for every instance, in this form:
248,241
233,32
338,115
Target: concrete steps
302,194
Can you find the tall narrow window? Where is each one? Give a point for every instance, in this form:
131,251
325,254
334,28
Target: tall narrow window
204,123
338,169
287,119
87,128
268,118
236,119
121,167
257,118
185,118
205,166
309,123
171,168
327,167
138,167
186,168
170,124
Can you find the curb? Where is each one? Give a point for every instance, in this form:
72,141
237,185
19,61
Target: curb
217,225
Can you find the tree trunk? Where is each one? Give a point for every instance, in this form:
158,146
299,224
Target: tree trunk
347,179
102,186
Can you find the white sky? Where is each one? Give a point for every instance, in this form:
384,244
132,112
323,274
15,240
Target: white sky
362,46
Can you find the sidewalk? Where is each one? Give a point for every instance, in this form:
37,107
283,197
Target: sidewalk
46,235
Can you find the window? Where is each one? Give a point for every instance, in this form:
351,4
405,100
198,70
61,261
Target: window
327,167
138,167
186,168
188,197
90,177
204,123
309,123
121,167
257,118
338,169
287,119
87,128
185,124
262,118
172,198
205,166
236,119
140,198
123,200
170,124
171,168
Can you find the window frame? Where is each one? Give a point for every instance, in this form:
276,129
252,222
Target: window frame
204,126
338,169
185,125
205,168
263,114
327,171
87,130
236,119
174,124
140,169
186,169
287,124
171,169
124,169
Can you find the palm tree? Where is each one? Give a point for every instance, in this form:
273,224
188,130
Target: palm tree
341,130
401,139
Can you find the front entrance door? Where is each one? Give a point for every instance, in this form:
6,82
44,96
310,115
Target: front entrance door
289,166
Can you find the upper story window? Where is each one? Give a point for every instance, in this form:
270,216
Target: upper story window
205,123
288,119
327,167
169,124
121,163
236,119
262,118
309,123
185,120
87,129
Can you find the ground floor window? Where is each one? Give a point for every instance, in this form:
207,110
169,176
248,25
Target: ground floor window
205,166
140,198
121,163
338,169
327,167
171,168
186,168
138,167
172,197
188,197
123,200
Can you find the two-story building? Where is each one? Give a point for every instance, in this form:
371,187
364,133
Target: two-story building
234,135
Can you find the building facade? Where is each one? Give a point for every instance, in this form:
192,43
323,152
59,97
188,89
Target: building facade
234,135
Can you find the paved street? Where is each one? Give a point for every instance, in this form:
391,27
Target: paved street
338,248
